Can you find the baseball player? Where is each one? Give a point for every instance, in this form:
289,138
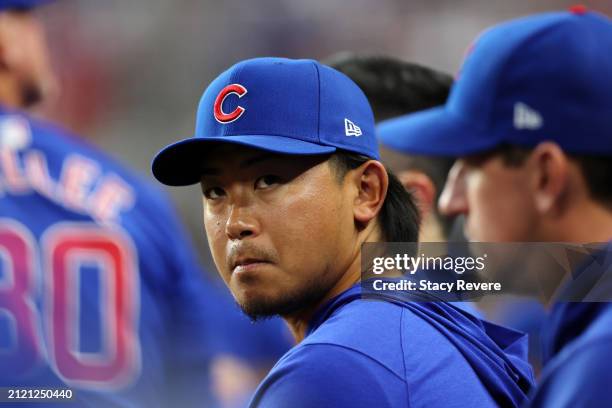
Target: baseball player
292,185
100,292
531,118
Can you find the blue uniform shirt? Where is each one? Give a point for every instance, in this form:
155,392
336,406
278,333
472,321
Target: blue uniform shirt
577,343
99,289
389,353
579,374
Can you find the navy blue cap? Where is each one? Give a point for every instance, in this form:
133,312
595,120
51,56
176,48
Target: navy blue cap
529,80
21,4
281,105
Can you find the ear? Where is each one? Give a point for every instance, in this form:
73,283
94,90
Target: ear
453,200
371,181
550,169
421,187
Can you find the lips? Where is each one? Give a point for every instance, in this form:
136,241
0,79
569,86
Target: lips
244,264
247,256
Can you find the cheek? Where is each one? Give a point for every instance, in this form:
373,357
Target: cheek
214,226
501,209
305,230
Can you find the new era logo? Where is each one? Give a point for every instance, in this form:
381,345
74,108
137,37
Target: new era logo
351,129
526,117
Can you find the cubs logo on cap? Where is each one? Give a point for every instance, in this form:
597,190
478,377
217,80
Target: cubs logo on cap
296,107
220,115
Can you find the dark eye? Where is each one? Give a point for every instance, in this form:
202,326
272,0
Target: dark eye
267,181
213,193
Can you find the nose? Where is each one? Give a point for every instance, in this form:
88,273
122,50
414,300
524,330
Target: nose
241,224
453,200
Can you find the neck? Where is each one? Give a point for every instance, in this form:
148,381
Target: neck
589,223
298,322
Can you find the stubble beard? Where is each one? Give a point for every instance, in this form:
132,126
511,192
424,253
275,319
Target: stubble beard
288,303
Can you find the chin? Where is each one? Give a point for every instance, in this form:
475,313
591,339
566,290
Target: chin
257,306
258,303
254,297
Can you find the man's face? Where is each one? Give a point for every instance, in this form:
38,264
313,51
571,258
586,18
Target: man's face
24,59
280,229
494,197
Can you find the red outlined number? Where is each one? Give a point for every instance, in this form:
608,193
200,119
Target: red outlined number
65,248
22,350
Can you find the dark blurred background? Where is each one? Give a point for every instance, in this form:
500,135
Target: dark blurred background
132,71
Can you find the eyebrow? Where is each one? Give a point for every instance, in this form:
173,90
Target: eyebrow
212,171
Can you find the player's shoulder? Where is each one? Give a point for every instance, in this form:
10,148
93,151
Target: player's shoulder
357,357
559,385
391,334
595,340
396,336
69,143
362,325
315,374
21,131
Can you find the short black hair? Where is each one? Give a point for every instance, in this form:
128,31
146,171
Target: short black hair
398,218
596,169
393,88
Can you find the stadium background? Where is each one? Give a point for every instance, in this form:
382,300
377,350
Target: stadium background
132,71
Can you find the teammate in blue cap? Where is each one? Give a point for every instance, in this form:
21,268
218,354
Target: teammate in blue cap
96,294
287,159
531,116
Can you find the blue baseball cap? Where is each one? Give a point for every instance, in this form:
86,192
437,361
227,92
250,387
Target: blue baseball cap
297,107
529,80
21,4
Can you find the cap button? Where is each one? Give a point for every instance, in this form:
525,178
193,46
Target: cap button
578,9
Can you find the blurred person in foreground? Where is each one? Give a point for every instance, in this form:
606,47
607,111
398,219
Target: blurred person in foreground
530,118
100,291
292,185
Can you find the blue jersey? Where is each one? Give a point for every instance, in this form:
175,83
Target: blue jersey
99,290
385,352
577,342
578,375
